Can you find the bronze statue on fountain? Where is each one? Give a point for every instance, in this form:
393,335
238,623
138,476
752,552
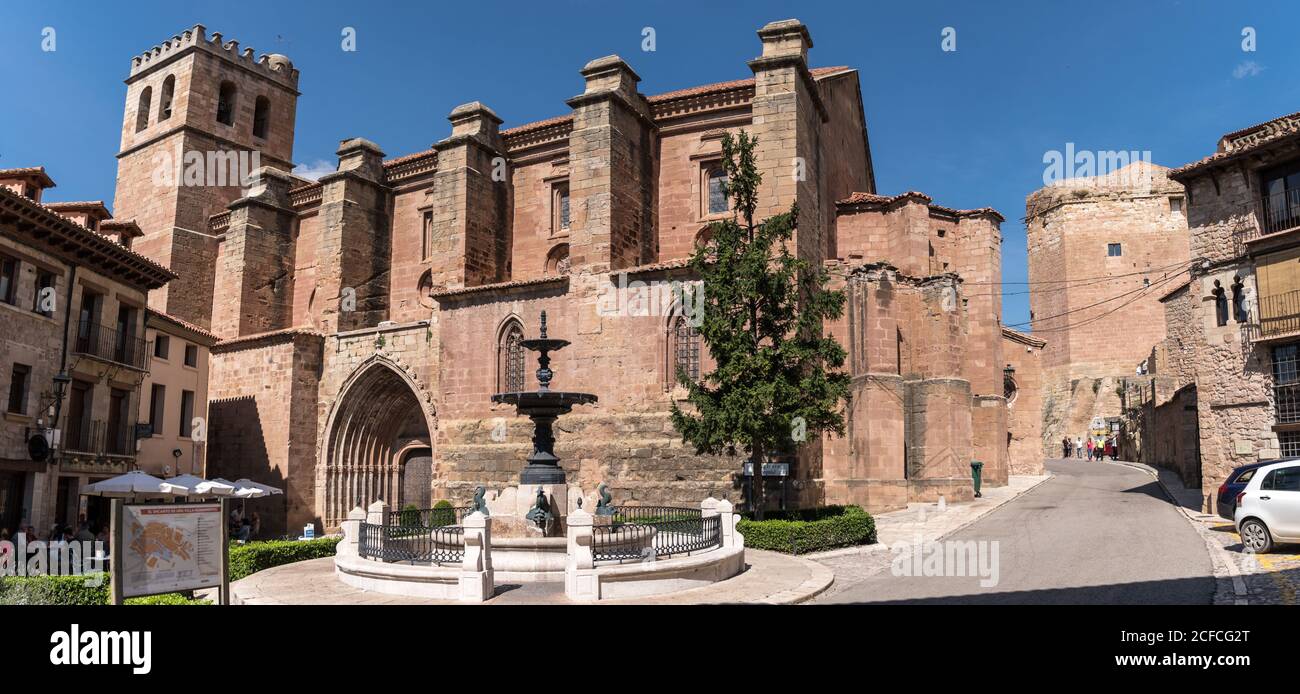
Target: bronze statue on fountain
543,406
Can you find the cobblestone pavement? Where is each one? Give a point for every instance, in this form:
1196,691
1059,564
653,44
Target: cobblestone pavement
1244,578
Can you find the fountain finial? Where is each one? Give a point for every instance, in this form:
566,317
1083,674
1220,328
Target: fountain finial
543,325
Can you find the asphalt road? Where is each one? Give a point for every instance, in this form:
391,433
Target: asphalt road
1094,534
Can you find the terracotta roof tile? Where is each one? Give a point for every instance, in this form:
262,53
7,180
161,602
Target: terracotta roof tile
1285,127
38,171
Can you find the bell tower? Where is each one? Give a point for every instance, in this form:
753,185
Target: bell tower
200,116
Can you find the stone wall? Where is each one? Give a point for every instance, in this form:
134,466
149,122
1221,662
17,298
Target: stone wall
262,420
1083,299
1023,354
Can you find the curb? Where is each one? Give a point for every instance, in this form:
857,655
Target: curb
821,580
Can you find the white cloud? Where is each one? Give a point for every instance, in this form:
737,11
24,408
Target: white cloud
1246,69
315,169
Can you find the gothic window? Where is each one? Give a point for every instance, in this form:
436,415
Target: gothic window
424,289
261,117
685,340
512,358
142,112
557,261
704,236
226,103
560,207
715,194
1009,388
168,91
1239,301
426,236
1220,305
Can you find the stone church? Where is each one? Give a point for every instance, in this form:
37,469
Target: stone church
367,317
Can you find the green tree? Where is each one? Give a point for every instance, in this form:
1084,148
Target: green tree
777,380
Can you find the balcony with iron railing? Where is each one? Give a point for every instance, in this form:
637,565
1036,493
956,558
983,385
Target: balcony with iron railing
1274,214
1279,314
105,343
96,437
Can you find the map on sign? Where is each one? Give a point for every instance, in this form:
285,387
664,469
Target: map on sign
170,547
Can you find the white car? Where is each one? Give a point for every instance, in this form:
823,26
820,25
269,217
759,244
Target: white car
1268,509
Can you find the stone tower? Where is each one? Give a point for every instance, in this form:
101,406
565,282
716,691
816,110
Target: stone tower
200,116
1102,251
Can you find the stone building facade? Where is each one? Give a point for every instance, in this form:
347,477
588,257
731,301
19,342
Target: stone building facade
72,306
174,397
1101,251
365,319
1233,322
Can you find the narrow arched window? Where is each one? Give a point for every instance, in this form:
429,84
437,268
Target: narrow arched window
686,350
226,103
1239,300
261,117
142,111
1220,304
511,358
168,91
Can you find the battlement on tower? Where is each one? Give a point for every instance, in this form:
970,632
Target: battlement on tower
273,66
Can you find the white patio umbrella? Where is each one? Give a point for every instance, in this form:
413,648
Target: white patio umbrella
249,489
202,488
135,484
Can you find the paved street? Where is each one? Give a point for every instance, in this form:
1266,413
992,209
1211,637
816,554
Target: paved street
1094,533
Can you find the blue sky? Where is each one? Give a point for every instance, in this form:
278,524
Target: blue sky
970,127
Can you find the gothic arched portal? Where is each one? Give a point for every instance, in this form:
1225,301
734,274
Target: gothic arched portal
377,422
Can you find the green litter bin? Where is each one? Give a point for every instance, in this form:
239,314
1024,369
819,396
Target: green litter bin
976,473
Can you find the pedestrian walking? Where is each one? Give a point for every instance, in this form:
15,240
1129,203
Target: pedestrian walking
1090,447
1065,447
1078,446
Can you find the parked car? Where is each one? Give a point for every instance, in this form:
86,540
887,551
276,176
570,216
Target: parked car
1231,487
1268,509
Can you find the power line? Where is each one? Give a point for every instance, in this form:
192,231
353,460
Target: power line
1099,316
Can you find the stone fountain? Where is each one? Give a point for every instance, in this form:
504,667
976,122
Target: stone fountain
529,520
543,406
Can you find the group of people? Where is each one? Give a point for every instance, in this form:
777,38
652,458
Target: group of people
1098,449
57,534
243,529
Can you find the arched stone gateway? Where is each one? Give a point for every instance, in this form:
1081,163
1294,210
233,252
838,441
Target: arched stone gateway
378,427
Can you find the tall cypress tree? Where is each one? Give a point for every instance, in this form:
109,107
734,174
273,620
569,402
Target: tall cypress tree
777,380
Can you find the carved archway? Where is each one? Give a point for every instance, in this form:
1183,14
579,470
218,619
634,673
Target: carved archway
379,416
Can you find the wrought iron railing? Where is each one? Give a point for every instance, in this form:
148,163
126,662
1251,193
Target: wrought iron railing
110,345
643,533
1278,212
1279,313
415,545
96,437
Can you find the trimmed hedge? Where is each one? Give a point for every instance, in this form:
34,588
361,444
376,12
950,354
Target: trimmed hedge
52,590
255,556
809,530
72,590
